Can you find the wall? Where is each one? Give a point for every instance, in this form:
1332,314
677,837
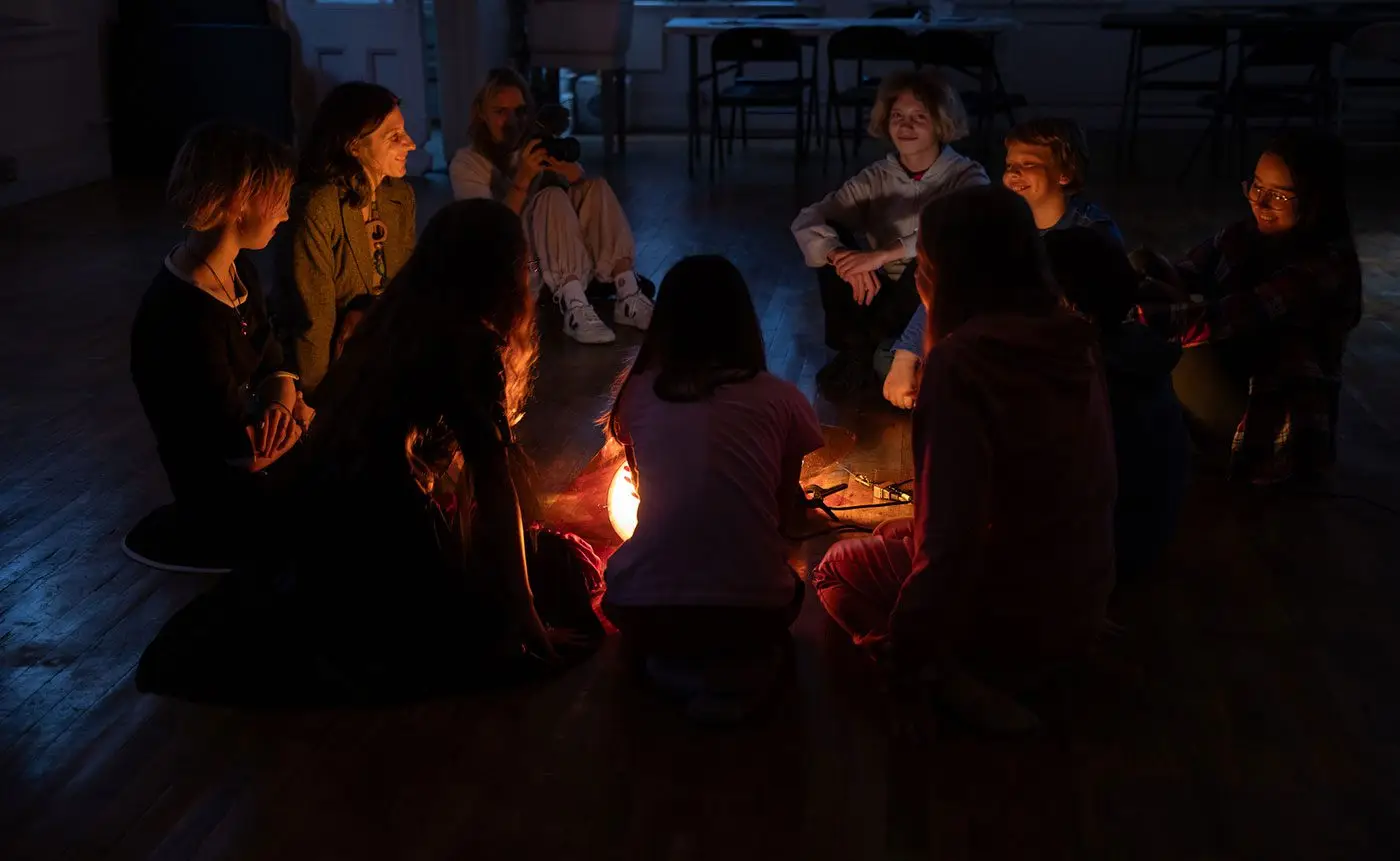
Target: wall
54,78
473,38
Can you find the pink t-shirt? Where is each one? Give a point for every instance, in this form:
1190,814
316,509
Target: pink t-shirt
708,474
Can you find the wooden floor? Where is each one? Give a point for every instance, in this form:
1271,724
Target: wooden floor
1266,723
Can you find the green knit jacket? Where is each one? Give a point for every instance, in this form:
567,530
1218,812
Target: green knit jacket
326,261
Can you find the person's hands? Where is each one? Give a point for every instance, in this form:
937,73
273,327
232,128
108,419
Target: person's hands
864,287
902,382
533,161
348,322
850,263
274,429
302,413
570,171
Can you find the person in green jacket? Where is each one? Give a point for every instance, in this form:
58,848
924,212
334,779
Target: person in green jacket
352,224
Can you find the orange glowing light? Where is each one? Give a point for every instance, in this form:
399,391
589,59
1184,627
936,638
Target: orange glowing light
623,502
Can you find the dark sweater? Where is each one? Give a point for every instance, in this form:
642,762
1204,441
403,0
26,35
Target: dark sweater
195,370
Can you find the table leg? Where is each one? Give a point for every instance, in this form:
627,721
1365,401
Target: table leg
608,96
1122,145
692,140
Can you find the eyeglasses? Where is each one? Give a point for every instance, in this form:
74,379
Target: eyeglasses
1267,197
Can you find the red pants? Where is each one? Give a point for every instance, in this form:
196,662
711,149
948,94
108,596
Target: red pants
858,580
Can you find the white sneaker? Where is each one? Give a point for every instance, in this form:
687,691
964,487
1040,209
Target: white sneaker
583,324
634,311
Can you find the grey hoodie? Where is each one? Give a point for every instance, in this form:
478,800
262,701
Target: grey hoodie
882,202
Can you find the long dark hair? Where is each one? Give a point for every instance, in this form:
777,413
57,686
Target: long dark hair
466,273
987,257
703,334
348,113
1317,161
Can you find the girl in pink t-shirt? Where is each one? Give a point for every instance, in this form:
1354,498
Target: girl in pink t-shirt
702,591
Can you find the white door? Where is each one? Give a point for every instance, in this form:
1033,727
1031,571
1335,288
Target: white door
379,41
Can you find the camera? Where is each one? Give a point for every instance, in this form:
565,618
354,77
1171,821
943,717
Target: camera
551,122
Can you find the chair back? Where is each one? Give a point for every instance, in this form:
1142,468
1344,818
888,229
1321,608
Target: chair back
755,45
870,43
1375,42
905,12
964,52
1189,36
1300,47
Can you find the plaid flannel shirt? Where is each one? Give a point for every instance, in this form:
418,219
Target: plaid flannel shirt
1297,315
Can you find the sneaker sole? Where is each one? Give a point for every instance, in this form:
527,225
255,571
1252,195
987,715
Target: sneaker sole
603,339
634,324
168,566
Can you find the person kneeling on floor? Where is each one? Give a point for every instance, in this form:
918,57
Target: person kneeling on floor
576,226
702,592
1005,570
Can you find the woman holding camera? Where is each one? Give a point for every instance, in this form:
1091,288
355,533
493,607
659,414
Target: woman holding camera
353,224
576,226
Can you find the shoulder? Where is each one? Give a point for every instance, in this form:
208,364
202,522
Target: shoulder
962,171
162,296
867,179
398,191
469,157
319,203
775,389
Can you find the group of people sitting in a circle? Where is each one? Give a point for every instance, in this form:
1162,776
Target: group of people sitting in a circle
345,447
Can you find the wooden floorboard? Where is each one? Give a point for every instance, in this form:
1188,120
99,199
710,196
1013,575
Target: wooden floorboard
1247,709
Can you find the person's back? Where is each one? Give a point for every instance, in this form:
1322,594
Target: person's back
711,471
1028,393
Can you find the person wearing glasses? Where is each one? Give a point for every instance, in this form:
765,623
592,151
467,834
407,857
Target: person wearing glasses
1264,309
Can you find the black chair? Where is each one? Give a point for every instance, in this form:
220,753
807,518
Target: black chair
730,52
1375,51
1186,44
892,13
972,56
1300,85
812,42
858,45
905,12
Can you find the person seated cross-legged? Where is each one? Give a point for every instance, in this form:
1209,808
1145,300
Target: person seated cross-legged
861,237
577,229
1264,309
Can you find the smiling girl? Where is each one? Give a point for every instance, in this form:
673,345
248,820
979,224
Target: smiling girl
1270,302
352,223
862,237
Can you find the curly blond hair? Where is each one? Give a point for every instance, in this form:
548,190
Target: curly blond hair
933,91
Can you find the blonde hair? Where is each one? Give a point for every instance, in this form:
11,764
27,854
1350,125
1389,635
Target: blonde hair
223,169
497,80
933,91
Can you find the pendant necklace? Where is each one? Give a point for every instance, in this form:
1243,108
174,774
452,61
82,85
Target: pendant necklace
232,299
